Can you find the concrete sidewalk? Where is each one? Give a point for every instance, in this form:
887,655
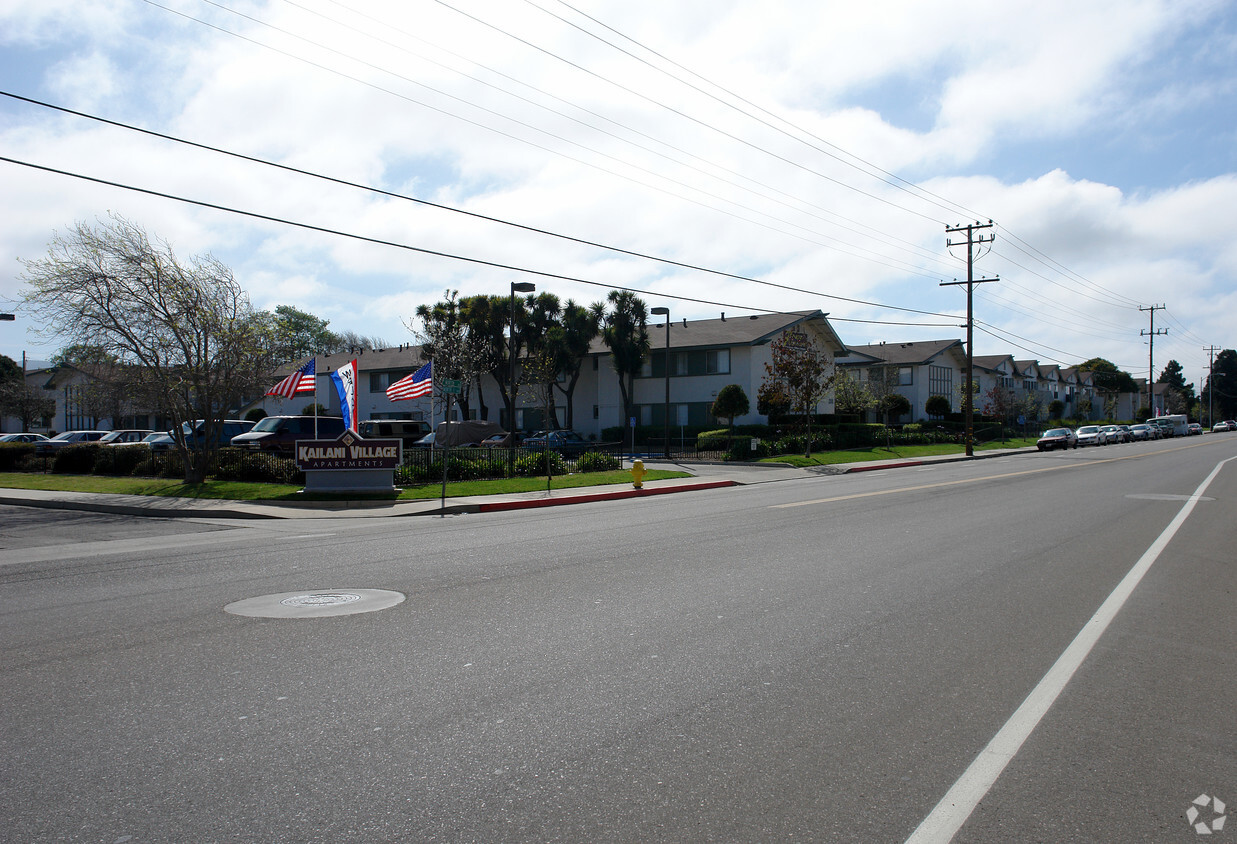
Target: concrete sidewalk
704,476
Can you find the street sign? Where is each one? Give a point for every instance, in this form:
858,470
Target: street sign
451,386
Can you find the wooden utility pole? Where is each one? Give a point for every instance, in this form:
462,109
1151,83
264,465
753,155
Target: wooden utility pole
972,240
1151,354
1211,373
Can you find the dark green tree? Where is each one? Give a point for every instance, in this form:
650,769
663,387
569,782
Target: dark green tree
937,406
895,405
1107,378
731,401
569,342
1221,388
1179,397
297,335
626,335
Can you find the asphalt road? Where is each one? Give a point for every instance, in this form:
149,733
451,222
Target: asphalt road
806,660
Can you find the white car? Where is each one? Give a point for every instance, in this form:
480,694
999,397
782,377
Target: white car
1091,435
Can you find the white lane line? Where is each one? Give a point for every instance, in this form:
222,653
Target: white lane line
944,821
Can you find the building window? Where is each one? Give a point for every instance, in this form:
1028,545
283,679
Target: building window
689,363
940,381
683,413
906,376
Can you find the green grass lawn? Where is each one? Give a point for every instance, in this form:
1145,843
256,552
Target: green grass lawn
239,491
903,452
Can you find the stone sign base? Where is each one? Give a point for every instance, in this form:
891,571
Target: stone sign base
350,480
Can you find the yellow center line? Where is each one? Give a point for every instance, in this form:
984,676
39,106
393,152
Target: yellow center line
919,487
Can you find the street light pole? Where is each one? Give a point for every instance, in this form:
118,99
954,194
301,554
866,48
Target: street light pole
516,287
666,366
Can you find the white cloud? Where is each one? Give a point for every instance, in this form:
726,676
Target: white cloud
941,94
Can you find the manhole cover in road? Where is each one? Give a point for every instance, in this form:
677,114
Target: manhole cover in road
315,604
321,599
1155,496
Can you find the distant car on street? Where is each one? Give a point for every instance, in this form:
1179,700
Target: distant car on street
1114,434
1091,435
1195,428
1057,438
1140,432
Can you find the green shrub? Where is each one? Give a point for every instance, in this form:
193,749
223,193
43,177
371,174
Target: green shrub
236,464
166,465
597,461
534,464
13,455
75,459
119,459
741,449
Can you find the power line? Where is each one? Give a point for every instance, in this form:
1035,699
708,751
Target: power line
853,251
851,225
897,183
437,253
685,115
439,206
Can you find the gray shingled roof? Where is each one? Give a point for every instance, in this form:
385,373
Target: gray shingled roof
916,352
720,333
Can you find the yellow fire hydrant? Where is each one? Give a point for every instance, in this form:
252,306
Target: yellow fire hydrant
637,474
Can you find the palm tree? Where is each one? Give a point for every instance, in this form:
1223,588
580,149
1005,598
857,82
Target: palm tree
626,335
570,341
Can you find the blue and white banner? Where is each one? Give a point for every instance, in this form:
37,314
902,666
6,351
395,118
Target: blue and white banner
345,385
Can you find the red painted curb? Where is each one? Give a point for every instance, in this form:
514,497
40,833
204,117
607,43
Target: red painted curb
883,466
598,496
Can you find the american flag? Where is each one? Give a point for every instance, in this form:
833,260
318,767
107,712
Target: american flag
419,383
301,381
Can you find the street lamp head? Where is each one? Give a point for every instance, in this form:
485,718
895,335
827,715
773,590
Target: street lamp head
7,317
660,312
522,287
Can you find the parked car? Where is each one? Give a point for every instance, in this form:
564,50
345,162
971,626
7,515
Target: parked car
45,448
278,434
1057,438
468,434
1092,435
1141,432
503,439
408,430
1195,428
1216,428
195,434
1114,434
22,438
125,436
567,442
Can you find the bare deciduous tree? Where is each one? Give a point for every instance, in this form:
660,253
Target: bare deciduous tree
195,345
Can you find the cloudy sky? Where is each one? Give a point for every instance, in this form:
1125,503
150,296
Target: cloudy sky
718,156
